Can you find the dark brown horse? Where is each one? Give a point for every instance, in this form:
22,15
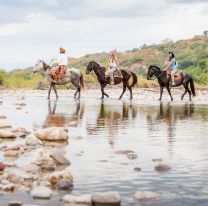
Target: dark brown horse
100,72
164,81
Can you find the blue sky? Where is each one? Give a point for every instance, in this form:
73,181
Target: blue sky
32,29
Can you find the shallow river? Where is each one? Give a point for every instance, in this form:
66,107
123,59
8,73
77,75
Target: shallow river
177,132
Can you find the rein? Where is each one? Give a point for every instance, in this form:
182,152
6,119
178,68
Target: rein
155,75
97,70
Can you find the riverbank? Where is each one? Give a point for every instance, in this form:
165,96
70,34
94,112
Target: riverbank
138,93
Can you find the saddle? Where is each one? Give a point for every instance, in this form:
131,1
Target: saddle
117,73
177,76
60,74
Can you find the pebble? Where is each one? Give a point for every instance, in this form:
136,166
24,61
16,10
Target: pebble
15,203
124,152
137,169
157,160
162,168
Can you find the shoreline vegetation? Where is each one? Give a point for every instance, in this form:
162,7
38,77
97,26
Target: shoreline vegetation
191,54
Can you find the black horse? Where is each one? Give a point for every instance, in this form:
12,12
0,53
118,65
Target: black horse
164,81
100,72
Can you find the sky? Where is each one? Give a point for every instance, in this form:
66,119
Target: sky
36,29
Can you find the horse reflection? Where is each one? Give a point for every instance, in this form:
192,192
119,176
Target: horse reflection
167,115
61,119
111,118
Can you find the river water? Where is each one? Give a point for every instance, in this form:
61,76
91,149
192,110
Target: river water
175,131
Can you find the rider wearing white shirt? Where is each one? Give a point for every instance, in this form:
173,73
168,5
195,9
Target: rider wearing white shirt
62,62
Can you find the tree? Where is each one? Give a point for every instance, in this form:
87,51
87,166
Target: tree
205,33
166,41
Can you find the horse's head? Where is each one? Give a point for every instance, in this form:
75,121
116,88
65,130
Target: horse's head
150,72
89,67
38,66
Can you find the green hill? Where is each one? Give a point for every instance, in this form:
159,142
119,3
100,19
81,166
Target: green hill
191,54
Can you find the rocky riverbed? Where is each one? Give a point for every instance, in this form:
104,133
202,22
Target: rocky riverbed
56,152
138,93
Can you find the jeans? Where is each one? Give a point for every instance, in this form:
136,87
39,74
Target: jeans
173,71
113,69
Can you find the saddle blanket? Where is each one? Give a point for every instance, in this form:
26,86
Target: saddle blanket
60,74
177,75
115,74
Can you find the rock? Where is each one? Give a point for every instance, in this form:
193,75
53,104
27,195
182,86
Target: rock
45,184
8,187
3,117
31,140
157,160
48,168
77,137
30,168
18,108
11,153
5,182
3,148
21,129
78,154
132,156
10,163
14,178
146,195
22,104
7,134
124,152
20,134
15,104
13,148
4,125
15,203
27,177
2,166
65,129
69,199
39,153
72,124
52,133
41,192
62,151
124,163
106,198
58,175
83,199
162,167
59,158
137,169
64,184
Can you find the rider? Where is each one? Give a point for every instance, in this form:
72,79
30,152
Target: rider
114,65
62,62
172,66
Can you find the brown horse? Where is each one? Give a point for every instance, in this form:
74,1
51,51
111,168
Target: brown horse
100,72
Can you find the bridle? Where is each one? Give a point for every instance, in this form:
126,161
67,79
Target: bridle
154,74
97,70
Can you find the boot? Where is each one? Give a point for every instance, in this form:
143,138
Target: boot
54,79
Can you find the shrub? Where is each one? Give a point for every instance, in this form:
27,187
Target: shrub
202,55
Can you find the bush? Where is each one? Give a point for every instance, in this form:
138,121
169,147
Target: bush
202,55
3,74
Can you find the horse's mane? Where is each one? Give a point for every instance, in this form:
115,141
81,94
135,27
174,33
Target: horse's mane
155,67
96,63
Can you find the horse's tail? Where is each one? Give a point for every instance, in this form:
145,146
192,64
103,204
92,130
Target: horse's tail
82,85
192,87
134,79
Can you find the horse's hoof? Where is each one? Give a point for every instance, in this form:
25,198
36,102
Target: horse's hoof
171,99
101,98
119,98
131,98
159,99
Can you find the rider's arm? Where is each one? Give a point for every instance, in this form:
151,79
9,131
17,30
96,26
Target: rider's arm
168,66
117,63
58,60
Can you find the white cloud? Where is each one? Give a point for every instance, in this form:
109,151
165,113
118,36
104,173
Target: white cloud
108,24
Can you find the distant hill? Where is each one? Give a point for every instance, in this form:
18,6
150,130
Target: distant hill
191,54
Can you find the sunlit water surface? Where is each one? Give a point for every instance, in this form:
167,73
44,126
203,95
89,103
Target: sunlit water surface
177,132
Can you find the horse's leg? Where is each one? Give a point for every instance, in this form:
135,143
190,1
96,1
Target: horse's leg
184,92
167,87
76,84
54,88
124,89
161,93
49,91
187,90
128,86
102,89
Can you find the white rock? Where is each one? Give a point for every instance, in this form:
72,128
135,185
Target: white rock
52,133
10,163
7,134
31,140
41,192
106,198
14,178
39,153
5,182
8,187
69,198
145,195
45,183
58,175
4,124
84,199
